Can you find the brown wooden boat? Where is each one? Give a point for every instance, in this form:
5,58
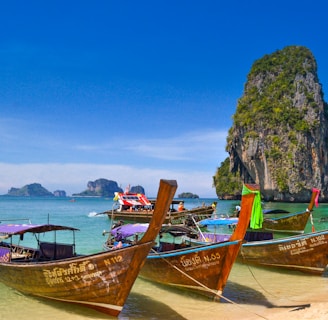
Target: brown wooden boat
144,214
204,268
53,270
293,222
306,253
290,223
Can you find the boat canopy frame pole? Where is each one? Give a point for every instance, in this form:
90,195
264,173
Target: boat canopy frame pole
197,226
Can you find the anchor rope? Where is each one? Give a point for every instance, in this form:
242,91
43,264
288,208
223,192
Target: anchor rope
207,288
261,286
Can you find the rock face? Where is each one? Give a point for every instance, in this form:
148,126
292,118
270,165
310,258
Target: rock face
106,188
60,193
279,135
188,195
137,189
101,188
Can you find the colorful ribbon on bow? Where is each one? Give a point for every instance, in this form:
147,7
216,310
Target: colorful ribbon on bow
316,200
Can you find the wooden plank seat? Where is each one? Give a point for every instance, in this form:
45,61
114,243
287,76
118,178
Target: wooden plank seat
24,253
18,252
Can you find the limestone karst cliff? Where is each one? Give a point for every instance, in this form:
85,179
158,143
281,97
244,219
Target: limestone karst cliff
279,136
106,188
101,188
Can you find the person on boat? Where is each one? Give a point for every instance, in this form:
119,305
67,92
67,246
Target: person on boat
123,208
119,245
118,224
237,211
181,207
214,204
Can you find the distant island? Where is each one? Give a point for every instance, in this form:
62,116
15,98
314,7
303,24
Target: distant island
188,195
34,190
106,188
98,188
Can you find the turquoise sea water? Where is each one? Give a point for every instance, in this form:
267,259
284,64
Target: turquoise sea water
251,290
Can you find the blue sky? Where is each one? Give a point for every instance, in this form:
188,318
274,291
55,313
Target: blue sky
134,91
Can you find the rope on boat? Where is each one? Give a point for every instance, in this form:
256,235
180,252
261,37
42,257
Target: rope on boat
207,288
312,224
270,293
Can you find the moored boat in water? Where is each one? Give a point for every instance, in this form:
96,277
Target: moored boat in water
137,208
203,269
291,223
307,252
53,270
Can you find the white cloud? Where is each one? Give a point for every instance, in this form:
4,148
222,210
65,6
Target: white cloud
190,158
202,144
73,178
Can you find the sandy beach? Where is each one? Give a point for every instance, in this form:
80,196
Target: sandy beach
315,311
251,293
318,311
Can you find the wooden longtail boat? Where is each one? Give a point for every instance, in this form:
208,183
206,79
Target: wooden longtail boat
290,223
293,222
137,208
203,269
171,217
306,253
53,270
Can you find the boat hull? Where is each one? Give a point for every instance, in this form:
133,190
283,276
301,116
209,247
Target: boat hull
306,253
101,281
171,217
203,269
199,269
291,223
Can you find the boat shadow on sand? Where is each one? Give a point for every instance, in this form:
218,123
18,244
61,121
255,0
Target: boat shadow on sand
234,294
137,306
237,293
140,306
245,295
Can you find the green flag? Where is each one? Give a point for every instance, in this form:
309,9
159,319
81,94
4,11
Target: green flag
257,214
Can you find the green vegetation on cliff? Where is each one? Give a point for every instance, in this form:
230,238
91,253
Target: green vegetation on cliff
279,134
225,182
270,92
